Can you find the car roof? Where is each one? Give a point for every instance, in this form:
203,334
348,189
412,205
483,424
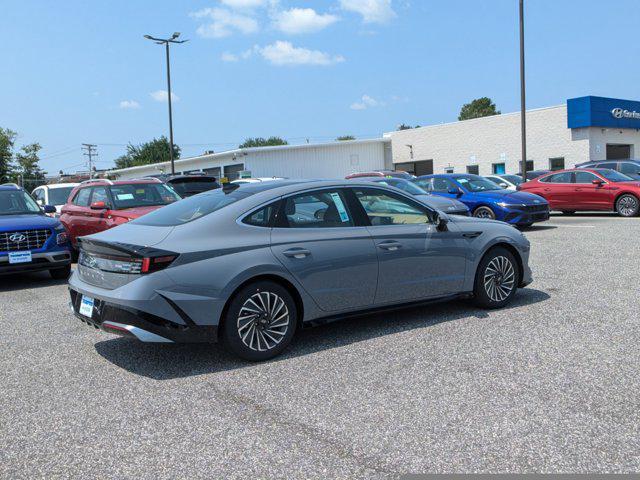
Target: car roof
10,187
58,185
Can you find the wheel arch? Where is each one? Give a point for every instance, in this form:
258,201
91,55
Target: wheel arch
297,298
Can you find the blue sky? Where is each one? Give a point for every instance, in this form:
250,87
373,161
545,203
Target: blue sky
78,71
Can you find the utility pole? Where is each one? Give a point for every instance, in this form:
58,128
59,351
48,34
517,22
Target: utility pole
90,151
523,121
166,42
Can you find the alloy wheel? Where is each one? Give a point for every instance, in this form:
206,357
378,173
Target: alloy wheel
627,206
484,212
499,278
263,321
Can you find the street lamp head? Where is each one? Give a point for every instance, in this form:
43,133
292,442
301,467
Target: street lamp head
148,37
175,35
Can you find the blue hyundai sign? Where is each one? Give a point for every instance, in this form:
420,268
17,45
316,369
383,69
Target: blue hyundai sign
602,112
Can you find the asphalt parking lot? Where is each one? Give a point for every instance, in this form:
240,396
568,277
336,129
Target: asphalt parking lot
549,384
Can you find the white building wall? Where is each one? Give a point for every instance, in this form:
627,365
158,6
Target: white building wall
331,160
495,139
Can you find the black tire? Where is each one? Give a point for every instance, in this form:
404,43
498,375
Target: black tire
484,212
568,212
264,331
487,293
60,273
627,205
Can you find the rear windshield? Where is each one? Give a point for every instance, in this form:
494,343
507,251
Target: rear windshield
58,196
191,208
142,195
192,186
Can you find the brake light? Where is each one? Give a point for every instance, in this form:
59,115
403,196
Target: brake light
153,264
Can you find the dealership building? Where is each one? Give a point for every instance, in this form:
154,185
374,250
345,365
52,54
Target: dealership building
585,128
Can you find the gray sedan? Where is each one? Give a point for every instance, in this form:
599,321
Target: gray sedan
250,264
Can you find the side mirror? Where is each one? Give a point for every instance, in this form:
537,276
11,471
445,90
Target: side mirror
503,185
40,202
441,221
454,191
597,182
49,209
98,206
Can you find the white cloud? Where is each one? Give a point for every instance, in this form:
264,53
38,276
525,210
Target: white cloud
244,4
229,57
302,20
223,22
129,104
372,11
162,96
284,53
366,102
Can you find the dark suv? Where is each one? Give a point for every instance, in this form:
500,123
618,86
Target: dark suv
189,185
630,168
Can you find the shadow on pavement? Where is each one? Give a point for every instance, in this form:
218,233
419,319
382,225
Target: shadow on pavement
168,361
26,281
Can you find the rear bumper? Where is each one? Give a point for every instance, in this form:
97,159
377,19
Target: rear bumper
40,261
146,327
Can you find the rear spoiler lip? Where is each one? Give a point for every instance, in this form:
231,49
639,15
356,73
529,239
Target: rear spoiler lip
137,251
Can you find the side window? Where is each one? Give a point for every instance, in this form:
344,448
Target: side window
630,168
82,197
100,195
262,217
558,178
384,208
585,177
611,165
39,196
442,185
321,209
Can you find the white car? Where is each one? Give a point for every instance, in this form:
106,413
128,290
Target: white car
55,194
257,180
508,182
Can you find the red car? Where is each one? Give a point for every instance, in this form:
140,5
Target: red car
587,189
97,205
382,173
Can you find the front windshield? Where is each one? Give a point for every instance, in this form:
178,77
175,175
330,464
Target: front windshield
142,195
58,196
17,202
404,185
613,176
515,179
475,183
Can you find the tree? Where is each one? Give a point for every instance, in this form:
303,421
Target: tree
262,142
155,151
404,126
480,107
7,139
345,138
27,167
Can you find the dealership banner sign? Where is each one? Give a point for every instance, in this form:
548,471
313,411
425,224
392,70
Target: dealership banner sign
603,112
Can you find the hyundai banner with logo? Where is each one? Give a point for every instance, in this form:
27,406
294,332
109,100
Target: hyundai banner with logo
602,112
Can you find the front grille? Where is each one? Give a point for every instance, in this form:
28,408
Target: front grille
536,208
21,240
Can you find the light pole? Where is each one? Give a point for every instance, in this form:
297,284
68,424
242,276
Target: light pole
523,121
166,42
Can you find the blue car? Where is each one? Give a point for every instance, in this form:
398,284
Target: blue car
486,199
30,240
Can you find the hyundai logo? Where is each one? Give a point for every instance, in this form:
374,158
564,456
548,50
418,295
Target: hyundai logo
18,238
622,113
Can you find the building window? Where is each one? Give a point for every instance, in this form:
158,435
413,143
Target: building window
529,165
556,163
498,169
473,169
448,169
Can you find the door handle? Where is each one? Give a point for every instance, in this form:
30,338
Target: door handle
296,253
390,245
472,234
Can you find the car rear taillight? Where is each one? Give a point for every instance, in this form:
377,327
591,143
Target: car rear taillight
153,264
